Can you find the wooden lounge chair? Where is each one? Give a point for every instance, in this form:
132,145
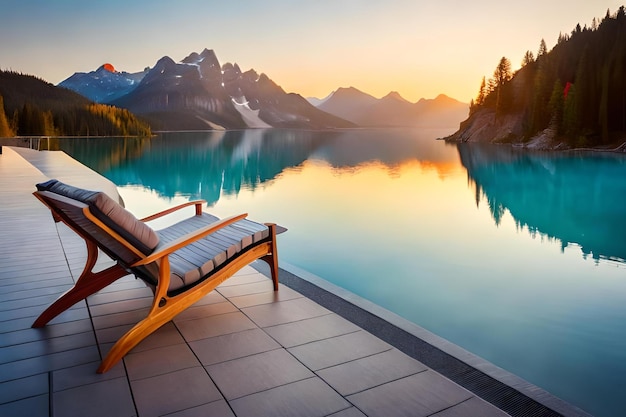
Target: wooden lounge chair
181,263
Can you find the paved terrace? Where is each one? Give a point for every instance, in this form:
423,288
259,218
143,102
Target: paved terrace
243,350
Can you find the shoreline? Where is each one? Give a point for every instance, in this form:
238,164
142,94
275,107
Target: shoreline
617,149
482,127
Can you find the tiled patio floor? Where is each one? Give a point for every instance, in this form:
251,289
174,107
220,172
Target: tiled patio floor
243,350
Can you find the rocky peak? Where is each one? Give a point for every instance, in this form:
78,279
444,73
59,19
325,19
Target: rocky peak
164,67
231,76
192,58
209,55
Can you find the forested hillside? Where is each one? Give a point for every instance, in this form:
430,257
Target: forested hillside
577,90
30,106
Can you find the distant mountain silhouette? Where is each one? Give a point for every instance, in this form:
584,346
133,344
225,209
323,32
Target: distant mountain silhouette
348,103
200,94
393,110
441,111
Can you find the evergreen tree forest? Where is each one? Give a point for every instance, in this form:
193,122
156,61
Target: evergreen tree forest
578,89
30,106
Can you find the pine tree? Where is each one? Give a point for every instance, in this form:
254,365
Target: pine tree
482,93
571,119
5,129
585,100
543,49
538,111
603,110
529,58
501,76
48,124
556,105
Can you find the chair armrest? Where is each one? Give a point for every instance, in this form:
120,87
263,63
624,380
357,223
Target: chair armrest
197,203
190,237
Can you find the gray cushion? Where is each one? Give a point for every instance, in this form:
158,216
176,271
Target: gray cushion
192,263
107,210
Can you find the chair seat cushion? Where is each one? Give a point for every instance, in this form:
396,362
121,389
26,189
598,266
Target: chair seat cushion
194,262
109,212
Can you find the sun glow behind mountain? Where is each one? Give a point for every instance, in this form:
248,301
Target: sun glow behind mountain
109,67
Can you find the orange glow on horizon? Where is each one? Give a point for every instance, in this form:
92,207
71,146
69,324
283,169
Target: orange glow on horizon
419,49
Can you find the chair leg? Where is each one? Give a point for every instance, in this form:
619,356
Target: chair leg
132,338
165,308
87,284
272,258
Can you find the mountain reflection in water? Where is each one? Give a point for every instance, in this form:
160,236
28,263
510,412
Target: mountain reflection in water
208,164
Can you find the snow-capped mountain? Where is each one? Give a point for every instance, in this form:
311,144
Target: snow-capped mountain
199,94
104,84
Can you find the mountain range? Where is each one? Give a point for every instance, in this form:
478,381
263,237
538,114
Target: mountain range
198,93
393,110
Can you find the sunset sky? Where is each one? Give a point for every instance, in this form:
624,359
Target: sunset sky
420,48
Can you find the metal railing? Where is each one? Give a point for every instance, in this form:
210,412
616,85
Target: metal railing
40,143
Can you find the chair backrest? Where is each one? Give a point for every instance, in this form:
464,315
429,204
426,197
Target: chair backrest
98,218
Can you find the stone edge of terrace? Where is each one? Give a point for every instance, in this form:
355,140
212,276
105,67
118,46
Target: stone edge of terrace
404,335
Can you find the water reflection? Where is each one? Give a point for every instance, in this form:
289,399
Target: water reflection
101,154
390,147
208,164
574,198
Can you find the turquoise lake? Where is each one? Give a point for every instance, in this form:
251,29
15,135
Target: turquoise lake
517,256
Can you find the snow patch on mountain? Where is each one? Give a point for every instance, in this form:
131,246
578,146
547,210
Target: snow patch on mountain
251,117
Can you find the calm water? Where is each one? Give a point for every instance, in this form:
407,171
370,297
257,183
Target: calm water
517,257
